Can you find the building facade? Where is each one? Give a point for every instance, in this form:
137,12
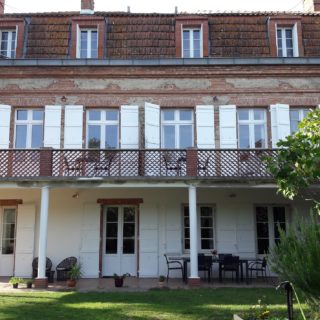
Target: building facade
126,136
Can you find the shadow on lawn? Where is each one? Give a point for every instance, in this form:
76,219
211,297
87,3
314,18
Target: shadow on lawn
172,304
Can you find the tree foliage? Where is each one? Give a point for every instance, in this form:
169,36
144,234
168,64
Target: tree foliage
297,165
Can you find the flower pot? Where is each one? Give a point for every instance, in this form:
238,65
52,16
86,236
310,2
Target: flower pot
15,285
118,282
161,284
71,283
29,285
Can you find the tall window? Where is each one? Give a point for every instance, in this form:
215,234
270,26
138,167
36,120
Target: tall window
88,43
192,43
103,129
252,128
29,129
268,221
286,39
206,232
177,129
8,44
296,115
8,230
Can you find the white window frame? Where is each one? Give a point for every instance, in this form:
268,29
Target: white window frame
102,123
295,47
251,123
301,116
2,210
191,49
29,123
176,123
271,223
214,239
9,48
89,42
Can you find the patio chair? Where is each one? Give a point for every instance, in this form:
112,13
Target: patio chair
259,266
64,267
229,264
173,265
205,264
49,273
172,164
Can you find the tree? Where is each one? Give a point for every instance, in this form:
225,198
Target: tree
297,164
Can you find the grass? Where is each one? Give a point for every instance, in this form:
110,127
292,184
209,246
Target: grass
197,304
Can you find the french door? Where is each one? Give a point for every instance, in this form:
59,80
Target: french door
7,240
120,240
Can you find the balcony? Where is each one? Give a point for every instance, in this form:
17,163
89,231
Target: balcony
153,164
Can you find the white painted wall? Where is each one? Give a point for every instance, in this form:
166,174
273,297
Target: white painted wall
160,221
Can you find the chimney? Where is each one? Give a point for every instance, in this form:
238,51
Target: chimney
311,5
87,6
2,3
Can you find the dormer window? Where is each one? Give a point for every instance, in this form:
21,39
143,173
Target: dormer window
287,42
192,43
87,44
8,44
192,37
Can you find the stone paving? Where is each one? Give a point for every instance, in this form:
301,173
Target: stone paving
131,284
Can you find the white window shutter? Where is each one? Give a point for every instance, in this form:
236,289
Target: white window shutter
73,127
129,127
24,250
52,127
152,126
280,122
5,113
228,127
205,126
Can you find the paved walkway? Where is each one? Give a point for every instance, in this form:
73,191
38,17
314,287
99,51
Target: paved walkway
132,284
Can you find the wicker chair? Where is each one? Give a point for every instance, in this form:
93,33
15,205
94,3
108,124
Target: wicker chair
64,267
48,268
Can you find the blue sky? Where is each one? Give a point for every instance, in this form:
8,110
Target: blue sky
166,6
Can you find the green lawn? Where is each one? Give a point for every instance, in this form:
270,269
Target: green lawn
195,304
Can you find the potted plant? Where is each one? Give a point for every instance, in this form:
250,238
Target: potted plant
118,279
161,281
29,283
15,281
75,273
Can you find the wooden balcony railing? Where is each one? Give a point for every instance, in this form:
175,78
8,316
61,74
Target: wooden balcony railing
156,163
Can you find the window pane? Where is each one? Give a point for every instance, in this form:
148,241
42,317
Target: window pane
112,214
111,245
7,246
168,115
112,230
94,136
207,233
263,246
22,115
185,115
279,214
185,136
94,53
243,114
37,136
258,114
259,134
111,137
187,244
263,230
261,214
169,137
206,244
129,215
128,230
187,233
112,115
206,211
94,40
289,52
95,115
244,141
128,246
305,112
37,115
294,114
21,136
206,222
9,216
288,33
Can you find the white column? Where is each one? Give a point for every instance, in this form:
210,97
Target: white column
43,232
193,232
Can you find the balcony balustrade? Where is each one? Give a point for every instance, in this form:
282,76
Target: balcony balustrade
152,163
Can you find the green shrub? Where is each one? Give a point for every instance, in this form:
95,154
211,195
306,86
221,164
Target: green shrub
296,258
